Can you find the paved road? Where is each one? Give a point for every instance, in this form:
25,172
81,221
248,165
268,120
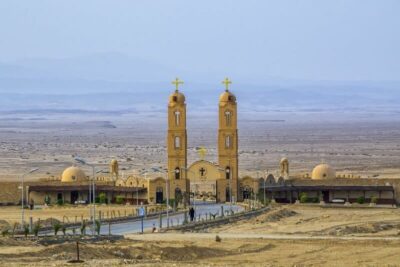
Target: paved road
134,227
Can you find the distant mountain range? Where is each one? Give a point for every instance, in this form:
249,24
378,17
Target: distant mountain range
114,82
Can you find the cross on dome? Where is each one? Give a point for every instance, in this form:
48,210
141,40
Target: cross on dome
227,82
177,82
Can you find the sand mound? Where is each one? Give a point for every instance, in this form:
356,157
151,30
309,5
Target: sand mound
367,228
276,215
67,251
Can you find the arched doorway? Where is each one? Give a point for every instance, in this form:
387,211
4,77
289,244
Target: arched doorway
227,194
247,192
159,195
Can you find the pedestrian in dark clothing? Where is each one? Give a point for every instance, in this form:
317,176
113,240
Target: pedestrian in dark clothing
191,214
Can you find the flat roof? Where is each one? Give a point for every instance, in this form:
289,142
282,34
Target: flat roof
64,188
330,187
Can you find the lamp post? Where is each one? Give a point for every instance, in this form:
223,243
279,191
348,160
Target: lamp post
23,195
167,192
83,162
265,179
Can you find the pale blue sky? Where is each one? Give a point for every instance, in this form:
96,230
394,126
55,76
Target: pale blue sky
310,40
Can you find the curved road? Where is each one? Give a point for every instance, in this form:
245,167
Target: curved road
135,226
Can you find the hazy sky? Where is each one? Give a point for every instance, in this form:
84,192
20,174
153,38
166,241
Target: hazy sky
317,40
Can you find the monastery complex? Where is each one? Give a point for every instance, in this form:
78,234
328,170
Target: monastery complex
215,181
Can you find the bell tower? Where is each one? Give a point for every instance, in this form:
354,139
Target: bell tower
227,184
177,146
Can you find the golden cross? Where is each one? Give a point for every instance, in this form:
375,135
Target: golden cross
202,152
227,82
177,82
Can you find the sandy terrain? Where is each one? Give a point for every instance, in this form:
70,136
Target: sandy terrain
369,149
316,221
285,236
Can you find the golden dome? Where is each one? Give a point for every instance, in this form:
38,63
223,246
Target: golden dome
323,171
176,98
72,174
226,97
284,160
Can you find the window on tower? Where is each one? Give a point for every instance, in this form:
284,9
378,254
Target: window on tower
177,142
228,141
177,118
177,173
228,118
227,173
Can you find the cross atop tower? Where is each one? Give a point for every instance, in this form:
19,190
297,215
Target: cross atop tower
227,82
177,82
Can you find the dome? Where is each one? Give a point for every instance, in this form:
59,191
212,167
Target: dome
323,171
227,96
176,98
73,174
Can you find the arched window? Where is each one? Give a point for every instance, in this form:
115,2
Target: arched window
177,173
177,142
228,141
177,115
228,118
228,173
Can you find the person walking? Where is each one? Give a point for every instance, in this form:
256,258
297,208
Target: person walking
191,214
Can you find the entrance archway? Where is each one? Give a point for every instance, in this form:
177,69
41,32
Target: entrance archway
227,194
159,195
74,196
247,192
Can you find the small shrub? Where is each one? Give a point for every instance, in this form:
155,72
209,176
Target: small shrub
60,202
98,227
56,227
26,230
63,229
83,228
360,200
102,198
303,197
119,199
374,200
5,232
217,238
47,200
36,229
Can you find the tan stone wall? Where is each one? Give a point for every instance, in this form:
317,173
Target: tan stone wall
10,193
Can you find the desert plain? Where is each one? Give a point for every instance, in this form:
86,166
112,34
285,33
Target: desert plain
287,235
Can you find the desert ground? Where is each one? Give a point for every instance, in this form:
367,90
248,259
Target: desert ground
289,235
285,236
365,147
